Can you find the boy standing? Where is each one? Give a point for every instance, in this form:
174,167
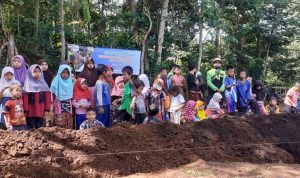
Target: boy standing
178,80
230,89
125,112
194,92
102,95
13,110
215,79
244,96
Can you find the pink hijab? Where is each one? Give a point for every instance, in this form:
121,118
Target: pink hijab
116,91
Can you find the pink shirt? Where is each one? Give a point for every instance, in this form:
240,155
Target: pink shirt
178,80
77,103
293,95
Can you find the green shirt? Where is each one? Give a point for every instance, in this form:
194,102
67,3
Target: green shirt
170,74
214,74
127,98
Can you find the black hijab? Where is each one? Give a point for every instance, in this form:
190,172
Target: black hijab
90,75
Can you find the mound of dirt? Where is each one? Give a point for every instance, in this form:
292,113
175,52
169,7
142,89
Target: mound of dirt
126,149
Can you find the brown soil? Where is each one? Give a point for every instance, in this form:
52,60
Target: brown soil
126,149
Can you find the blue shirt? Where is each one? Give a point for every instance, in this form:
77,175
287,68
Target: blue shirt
243,93
102,93
232,90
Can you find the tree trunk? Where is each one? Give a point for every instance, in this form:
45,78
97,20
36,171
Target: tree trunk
200,45
161,32
11,47
148,15
37,16
218,43
62,32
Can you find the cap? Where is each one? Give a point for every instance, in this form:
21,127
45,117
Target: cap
216,59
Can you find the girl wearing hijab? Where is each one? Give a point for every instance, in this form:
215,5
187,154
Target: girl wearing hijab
36,97
20,70
81,100
62,89
146,89
7,79
213,110
89,73
117,91
48,76
259,94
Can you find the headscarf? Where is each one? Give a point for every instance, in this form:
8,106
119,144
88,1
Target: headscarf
4,82
116,91
80,93
90,75
35,85
260,94
145,79
21,72
200,113
213,103
62,88
48,76
189,110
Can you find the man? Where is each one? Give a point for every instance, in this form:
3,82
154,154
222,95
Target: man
215,79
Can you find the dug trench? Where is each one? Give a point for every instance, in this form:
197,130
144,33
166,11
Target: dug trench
127,149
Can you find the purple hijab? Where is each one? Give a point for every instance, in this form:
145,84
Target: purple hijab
21,72
35,85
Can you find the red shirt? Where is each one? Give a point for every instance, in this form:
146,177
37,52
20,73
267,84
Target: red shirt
14,112
35,104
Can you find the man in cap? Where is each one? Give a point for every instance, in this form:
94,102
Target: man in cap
215,79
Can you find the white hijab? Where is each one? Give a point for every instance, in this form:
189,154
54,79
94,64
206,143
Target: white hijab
213,103
4,83
146,81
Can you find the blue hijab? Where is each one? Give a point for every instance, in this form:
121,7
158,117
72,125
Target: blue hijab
62,88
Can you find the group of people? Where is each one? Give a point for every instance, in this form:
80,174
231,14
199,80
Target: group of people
94,97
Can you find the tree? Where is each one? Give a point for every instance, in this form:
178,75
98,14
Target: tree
62,31
161,32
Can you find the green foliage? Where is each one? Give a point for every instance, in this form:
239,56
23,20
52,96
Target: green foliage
251,32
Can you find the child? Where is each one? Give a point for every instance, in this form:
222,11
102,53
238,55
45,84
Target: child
244,95
273,108
291,98
177,103
170,75
193,84
48,76
20,70
146,89
200,111
230,89
89,73
215,79
36,97
124,112
213,110
7,79
138,103
13,110
81,100
110,80
259,94
163,75
178,80
117,91
157,97
102,95
91,120
62,90
189,111
153,110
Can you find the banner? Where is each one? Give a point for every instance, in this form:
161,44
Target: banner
117,58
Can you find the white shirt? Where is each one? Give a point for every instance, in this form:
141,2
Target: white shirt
175,101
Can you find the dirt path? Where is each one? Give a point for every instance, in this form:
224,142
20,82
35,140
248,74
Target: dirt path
203,169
